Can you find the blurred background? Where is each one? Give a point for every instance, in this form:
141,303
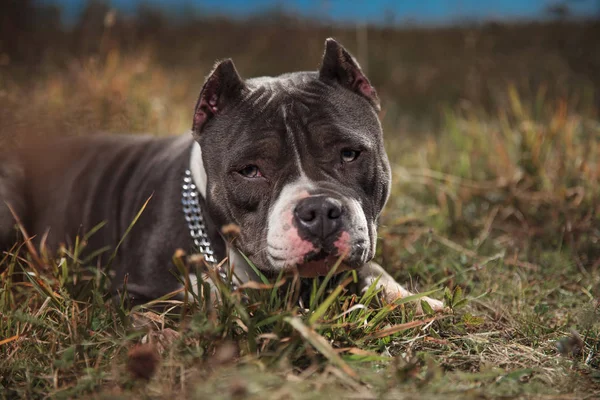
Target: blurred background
490,108
490,113
75,65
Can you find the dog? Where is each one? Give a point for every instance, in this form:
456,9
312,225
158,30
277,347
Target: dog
296,162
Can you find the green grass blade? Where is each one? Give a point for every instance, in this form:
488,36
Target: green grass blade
320,311
127,231
321,345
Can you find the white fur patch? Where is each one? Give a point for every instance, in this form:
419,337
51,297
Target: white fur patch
193,291
359,226
242,272
284,246
197,168
193,286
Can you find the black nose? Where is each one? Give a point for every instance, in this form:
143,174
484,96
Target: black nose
319,216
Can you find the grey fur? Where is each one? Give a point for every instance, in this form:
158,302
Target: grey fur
12,178
292,127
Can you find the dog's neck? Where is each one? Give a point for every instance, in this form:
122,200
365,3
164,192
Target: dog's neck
242,271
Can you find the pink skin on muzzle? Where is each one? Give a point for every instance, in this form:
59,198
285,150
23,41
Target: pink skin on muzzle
343,244
297,248
322,267
300,248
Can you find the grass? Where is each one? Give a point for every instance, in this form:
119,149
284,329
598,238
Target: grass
497,212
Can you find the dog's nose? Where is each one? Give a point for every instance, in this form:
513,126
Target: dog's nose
320,216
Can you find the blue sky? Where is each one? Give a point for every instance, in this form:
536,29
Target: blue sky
419,11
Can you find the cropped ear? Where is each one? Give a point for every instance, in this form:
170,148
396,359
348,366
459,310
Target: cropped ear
339,65
222,86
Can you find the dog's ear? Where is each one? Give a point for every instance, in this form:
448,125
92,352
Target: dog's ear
222,86
339,65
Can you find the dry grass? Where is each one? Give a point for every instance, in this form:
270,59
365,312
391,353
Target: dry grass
498,207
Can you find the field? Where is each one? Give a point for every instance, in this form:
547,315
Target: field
494,139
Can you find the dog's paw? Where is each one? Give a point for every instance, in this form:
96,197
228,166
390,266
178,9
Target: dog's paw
436,305
392,291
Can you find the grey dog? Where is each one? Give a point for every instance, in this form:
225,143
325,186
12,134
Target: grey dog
296,161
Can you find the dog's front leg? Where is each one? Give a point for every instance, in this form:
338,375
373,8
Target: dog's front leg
391,289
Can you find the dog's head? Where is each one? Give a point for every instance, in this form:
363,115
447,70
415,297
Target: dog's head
297,162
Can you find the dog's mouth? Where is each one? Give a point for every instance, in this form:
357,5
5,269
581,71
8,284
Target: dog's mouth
318,259
320,264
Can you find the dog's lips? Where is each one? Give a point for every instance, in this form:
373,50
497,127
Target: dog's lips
313,269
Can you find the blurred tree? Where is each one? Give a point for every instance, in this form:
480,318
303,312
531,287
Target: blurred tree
152,22
21,22
559,10
563,9
90,26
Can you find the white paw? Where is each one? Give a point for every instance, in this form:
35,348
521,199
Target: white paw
435,305
393,291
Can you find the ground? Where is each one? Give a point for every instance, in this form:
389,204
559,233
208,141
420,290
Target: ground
495,210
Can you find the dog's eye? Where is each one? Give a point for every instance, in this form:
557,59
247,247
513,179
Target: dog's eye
349,155
250,171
